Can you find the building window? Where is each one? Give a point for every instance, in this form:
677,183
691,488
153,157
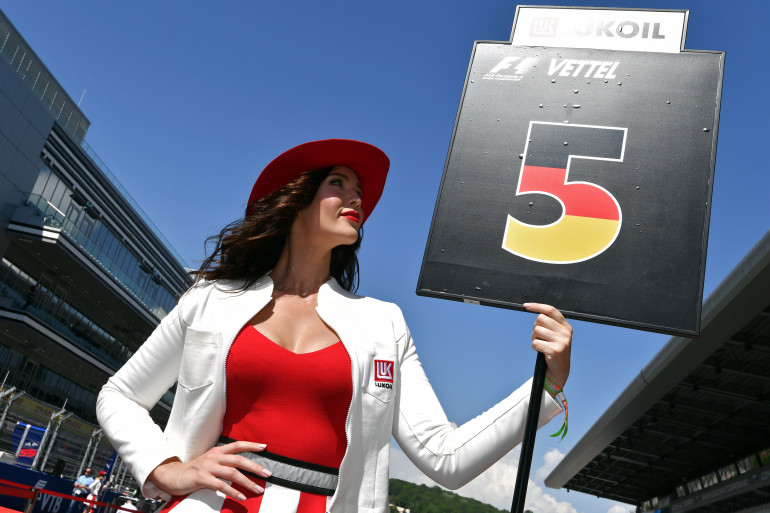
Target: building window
709,479
764,456
694,486
728,472
748,463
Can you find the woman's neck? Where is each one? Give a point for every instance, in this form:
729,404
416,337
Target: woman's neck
301,269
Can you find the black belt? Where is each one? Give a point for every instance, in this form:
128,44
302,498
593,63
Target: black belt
291,473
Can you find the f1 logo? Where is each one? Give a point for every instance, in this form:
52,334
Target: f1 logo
383,371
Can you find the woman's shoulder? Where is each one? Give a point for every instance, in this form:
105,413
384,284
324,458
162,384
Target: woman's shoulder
204,294
224,288
367,305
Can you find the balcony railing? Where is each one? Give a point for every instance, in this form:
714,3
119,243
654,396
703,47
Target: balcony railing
58,315
119,186
54,218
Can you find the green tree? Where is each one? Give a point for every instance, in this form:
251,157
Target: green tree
427,499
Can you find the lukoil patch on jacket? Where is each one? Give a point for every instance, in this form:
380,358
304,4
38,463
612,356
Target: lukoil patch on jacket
383,373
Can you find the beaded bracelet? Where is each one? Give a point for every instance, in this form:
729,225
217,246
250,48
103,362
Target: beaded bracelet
555,389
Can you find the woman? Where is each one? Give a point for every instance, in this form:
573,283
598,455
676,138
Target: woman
289,385
94,489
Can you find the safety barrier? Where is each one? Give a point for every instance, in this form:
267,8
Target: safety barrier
51,494
31,495
12,489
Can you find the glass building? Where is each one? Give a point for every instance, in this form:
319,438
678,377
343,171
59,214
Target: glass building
84,274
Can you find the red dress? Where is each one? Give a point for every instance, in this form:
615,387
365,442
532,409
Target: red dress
297,404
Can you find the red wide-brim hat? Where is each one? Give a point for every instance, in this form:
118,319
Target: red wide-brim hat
369,162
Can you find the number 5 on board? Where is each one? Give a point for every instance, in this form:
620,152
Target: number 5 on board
591,216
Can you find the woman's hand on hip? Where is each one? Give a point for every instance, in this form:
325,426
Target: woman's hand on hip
211,470
552,336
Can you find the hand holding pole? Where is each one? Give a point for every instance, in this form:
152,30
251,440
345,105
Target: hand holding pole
552,339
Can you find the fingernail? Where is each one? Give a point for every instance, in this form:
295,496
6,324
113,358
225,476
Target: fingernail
261,446
527,305
241,497
259,489
266,472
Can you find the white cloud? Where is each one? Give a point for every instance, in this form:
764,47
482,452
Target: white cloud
494,486
552,458
620,508
539,500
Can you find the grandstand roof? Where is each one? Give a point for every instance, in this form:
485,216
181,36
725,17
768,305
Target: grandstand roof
698,406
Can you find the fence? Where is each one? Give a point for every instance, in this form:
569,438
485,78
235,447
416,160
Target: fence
69,444
30,491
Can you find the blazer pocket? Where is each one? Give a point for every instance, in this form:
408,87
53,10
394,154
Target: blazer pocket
380,375
198,359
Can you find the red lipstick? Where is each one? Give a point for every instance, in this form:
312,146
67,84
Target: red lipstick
352,215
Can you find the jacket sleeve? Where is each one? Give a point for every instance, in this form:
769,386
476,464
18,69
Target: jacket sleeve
123,404
451,455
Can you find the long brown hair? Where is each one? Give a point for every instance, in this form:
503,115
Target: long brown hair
248,248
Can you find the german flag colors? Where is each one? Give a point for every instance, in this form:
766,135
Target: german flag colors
591,217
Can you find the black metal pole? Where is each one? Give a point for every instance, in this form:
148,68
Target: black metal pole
530,431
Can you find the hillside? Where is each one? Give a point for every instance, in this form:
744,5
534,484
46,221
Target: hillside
426,499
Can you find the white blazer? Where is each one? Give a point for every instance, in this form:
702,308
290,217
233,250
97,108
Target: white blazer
190,347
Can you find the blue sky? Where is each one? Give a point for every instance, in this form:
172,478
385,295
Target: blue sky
189,100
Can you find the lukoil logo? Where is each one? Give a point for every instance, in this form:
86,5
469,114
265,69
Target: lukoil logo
543,27
383,373
515,64
548,27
